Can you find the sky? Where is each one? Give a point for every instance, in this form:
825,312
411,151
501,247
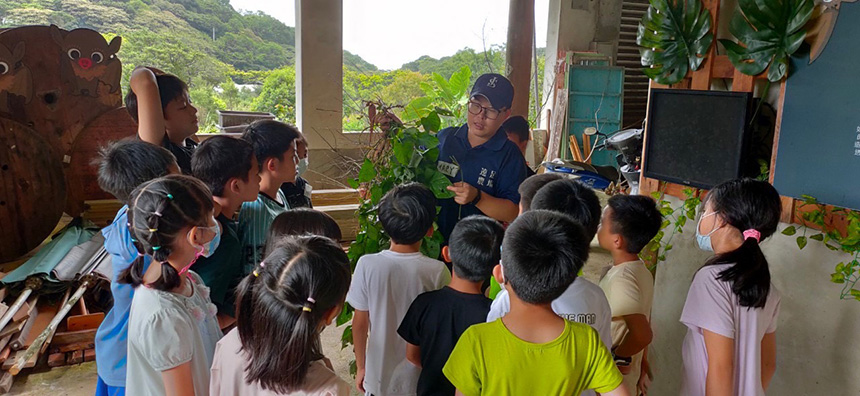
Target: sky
389,33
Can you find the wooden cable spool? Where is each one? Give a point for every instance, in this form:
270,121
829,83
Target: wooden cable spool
32,189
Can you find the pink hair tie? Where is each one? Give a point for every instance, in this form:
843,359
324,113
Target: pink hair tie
752,233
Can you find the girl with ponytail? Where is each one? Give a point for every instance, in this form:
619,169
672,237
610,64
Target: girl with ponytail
281,308
732,306
172,329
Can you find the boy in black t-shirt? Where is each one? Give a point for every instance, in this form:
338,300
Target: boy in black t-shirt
436,319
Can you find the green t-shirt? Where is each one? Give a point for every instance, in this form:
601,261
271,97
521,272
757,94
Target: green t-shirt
490,360
223,270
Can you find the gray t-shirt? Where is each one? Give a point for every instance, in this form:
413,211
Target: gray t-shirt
167,330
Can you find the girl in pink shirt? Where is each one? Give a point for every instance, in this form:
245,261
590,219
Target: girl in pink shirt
281,308
732,306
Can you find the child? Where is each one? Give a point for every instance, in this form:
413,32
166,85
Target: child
383,286
531,350
629,223
282,307
583,301
172,330
518,131
228,167
274,145
298,194
302,221
437,318
732,307
123,165
161,106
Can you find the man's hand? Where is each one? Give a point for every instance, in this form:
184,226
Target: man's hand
464,193
359,380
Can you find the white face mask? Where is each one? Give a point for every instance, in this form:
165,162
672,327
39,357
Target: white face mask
302,166
704,241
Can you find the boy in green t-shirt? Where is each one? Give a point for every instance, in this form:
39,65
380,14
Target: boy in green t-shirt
531,350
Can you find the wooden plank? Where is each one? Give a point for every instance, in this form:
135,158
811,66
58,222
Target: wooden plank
75,357
723,67
84,322
574,149
56,360
702,78
73,337
13,328
10,359
44,316
78,346
6,382
346,196
20,339
4,354
788,203
743,82
89,355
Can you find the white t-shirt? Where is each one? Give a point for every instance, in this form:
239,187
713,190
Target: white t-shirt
582,302
630,289
385,284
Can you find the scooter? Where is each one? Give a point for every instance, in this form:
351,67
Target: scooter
628,144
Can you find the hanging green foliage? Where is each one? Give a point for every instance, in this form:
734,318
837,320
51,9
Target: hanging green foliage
768,33
675,37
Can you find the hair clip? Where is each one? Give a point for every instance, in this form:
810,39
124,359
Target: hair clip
256,274
169,196
154,248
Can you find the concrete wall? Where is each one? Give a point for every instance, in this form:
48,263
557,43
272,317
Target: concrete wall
817,340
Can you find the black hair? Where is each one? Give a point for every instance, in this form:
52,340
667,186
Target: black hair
541,254
407,212
747,204
572,198
530,186
301,221
221,158
279,308
270,139
636,218
475,247
125,164
170,88
158,211
517,125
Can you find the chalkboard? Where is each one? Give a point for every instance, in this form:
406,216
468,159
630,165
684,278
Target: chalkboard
819,140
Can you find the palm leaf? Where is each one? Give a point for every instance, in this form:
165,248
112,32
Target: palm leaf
675,36
768,33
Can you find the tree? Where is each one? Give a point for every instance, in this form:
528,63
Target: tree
278,94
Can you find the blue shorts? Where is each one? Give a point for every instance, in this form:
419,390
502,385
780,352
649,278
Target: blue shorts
102,389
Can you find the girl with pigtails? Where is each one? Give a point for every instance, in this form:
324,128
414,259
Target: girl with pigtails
732,306
281,308
172,328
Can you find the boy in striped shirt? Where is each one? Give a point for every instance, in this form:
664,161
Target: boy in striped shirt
274,145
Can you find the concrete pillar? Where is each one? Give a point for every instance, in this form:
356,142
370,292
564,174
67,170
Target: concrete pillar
319,72
521,25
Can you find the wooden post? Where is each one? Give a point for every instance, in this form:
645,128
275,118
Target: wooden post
521,25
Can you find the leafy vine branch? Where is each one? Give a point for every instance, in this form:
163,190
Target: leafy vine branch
676,217
830,221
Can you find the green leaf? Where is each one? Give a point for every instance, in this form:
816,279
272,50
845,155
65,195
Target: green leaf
837,278
346,337
674,37
682,221
655,195
790,230
768,33
817,237
801,242
367,172
439,185
417,109
352,183
345,315
432,122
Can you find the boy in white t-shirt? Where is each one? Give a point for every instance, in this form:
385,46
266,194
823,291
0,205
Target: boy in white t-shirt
384,286
583,301
629,223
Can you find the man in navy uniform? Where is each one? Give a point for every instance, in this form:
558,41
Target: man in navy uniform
484,166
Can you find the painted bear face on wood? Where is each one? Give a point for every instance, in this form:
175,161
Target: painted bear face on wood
16,82
90,58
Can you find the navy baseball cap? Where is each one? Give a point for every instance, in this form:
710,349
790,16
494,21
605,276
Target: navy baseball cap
496,88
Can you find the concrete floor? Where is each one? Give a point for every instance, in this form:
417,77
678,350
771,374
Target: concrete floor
80,380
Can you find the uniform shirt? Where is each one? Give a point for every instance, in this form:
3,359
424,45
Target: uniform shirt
490,360
112,335
228,374
711,305
629,288
434,323
255,218
167,330
223,270
496,168
384,284
298,194
182,153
